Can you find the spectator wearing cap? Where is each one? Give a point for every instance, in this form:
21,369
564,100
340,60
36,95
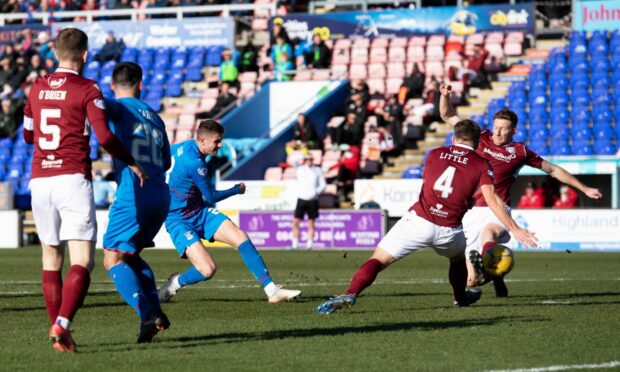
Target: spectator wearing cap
319,55
111,49
278,30
532,198
310,184
228,69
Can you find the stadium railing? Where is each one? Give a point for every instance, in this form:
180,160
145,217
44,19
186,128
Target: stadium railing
135,14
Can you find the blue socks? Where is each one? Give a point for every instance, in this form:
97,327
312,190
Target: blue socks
191,276
147,281
128,285
254,262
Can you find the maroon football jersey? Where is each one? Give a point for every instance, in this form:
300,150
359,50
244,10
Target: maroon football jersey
506,161
452,175
59,114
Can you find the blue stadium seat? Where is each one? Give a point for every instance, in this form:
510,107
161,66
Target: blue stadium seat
194,73
604,147
173,90
520,135
538,134
214,56
413,172
581,148
539,147
581,133
603,132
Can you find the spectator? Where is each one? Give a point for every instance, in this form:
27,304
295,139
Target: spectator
283,68
249,58
228,69
474,73
222,103
310,184
356,106
361,88
50,65
391,108
494,67
304,135
36,65
568,198
432,98
532,198
413,85
5,71
281,46
351,132
8,117
348,166
102,191
111,49
19,74
278,31
46,46
319,55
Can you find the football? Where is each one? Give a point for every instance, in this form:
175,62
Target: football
498,260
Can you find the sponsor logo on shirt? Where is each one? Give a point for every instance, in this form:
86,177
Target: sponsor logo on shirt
202,171
51,162
56,82
437,210
500,156
189,235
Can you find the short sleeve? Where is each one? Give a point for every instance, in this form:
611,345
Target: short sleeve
94,103
531,158
486,174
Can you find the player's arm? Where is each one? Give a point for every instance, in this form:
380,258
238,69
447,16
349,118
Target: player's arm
563,176
498,207
446,110
28,124
200,176
165,151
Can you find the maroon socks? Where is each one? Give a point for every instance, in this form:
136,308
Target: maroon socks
364,276
52,292
74,291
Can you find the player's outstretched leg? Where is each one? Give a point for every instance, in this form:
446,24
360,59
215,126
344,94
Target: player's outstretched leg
203,269
256,265
363,278
500,287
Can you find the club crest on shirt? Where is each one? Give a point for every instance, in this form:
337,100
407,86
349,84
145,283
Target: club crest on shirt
55,83
202,171
511,150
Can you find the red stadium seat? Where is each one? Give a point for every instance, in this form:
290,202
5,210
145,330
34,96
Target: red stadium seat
341,56
416,53
358,71
417,41
398,42
378,55
376,86
397,54
434,53
320,75
376,71
273,174
359,55
379,42
396,70
393,85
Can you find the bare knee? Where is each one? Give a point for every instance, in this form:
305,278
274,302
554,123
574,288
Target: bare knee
207,269
112,258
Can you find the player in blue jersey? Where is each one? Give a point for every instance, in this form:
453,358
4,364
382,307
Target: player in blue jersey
139,210
193,216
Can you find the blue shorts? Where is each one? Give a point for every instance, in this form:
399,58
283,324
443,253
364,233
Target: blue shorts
186,231
132,227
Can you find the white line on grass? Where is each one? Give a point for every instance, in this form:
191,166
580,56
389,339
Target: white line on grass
611,364
380,281
251,284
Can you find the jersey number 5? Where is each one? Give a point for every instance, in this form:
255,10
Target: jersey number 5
444,182
47,128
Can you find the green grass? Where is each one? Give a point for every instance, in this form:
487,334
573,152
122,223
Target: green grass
563,309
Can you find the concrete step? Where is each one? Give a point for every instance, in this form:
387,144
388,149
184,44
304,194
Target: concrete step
395,169
550,43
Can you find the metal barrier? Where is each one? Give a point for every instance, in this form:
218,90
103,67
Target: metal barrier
137,14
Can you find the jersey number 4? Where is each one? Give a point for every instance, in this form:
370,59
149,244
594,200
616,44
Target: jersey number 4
444,182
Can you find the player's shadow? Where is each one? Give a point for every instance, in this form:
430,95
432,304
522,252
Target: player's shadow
241,337
560,299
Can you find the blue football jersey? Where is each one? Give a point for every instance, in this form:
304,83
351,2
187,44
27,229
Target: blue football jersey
190,180
142,132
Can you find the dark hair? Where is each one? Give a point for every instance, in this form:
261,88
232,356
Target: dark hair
127,75
509,115
71,43
467,130
209,126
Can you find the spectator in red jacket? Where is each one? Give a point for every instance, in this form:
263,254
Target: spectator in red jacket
532,198
568,198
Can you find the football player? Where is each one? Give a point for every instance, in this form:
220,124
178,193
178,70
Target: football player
193,216
482,227
451,177
138,211
61,110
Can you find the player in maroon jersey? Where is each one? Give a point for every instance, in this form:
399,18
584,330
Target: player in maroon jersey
506,157
61,110
451,177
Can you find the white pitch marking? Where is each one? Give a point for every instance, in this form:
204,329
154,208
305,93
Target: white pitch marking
611,364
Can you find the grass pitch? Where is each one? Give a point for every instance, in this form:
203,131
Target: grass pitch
563,310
